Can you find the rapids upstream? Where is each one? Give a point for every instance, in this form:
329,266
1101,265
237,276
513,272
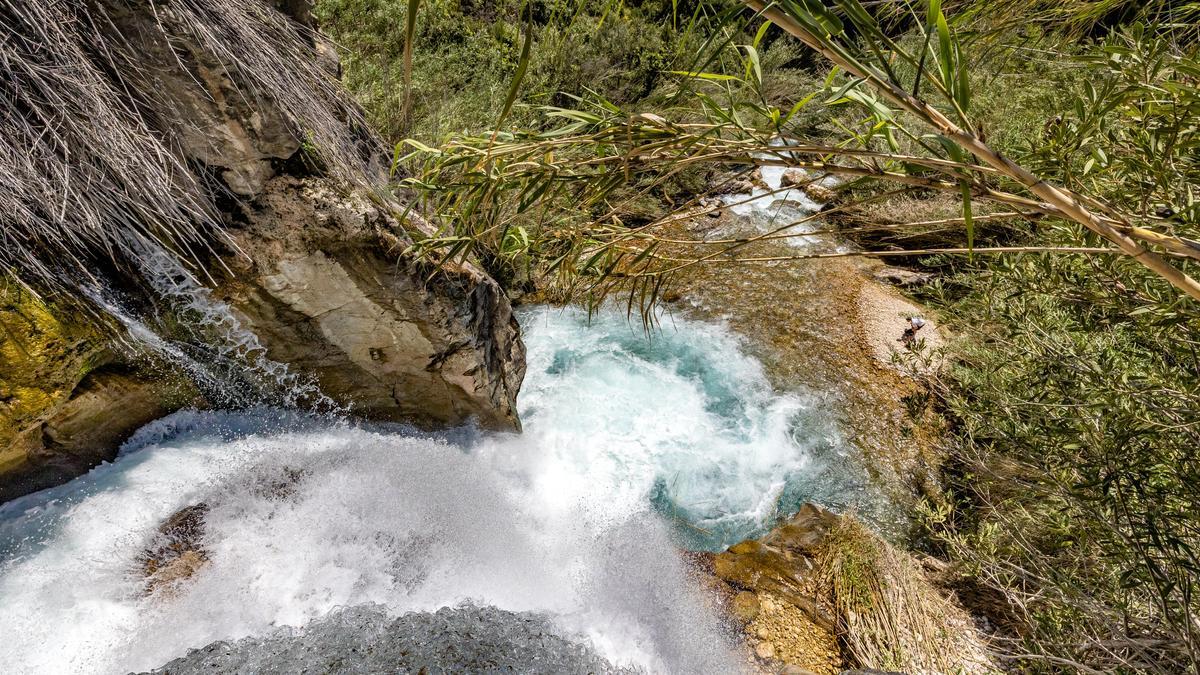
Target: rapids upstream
565,539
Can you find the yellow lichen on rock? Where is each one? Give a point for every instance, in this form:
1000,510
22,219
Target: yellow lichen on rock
68,398
42,359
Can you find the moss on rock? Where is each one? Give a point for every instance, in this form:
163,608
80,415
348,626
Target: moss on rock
67,396
43,358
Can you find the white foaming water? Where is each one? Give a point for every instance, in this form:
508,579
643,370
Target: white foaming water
232,348
139,336
771,207
683,418
573,519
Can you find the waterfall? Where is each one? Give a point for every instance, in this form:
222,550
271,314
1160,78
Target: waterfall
215,329
635,447
203,337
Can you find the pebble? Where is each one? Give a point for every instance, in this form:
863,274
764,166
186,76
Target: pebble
746,606
765,650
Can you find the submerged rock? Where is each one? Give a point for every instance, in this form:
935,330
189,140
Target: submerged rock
177,551
466,639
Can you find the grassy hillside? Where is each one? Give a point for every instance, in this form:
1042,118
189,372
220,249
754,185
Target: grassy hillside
465,54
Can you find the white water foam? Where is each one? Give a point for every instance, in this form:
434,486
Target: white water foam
771,207
683,417
216,329
566,519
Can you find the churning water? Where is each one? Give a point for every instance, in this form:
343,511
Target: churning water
567,535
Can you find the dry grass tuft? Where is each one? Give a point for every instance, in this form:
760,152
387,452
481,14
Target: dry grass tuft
890,616
92,166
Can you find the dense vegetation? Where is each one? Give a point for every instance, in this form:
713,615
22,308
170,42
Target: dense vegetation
1072,484
465,54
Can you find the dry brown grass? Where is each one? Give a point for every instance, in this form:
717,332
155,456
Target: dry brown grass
891,618
91,165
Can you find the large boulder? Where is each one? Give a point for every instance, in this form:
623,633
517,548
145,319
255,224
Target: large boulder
323,280
68,394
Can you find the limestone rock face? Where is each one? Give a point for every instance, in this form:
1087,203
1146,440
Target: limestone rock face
323,282
321,279
319,276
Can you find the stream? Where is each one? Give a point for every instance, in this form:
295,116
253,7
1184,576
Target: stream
334,545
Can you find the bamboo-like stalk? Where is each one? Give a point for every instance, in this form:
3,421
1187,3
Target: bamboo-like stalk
903,252
1060,198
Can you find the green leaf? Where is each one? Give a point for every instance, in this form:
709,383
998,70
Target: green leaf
715,77
753,64
817,15
963,93
522,66
841,93
868,101
945,52
762,31
796,108
953,150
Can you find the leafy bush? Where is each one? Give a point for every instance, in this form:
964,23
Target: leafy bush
1073,490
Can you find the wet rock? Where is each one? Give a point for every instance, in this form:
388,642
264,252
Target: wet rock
898,276
177,551
326,283
67,395
323,280
756,179
745,606
794,177
365,639
776,563
820,193
729,183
